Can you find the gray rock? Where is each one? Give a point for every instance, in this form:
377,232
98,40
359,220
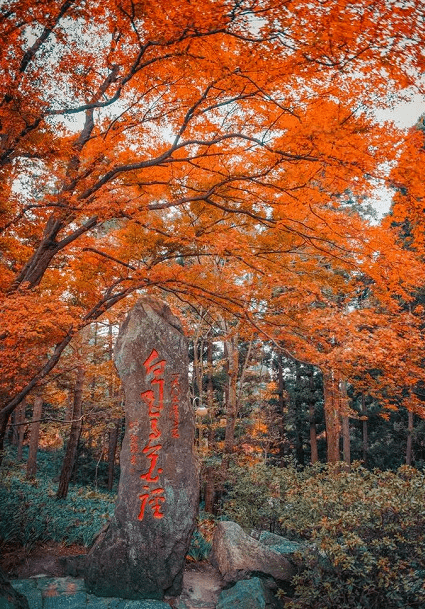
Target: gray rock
237,556
141,554
71,601
148,604
280,544
247,594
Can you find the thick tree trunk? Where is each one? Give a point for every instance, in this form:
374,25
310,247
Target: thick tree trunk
332,417
71,449
409,445
112,448
34,437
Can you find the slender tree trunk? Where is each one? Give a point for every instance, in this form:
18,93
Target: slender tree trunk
210,394
282,409
365,430
209,490
34,437
231,407
312,419
409,445
313,434
112,448
299,449
20,423
74,436
332,418
4,420
14,420
346,448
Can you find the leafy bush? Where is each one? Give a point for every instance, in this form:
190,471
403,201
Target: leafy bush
365,533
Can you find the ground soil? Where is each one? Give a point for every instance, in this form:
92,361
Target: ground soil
19,562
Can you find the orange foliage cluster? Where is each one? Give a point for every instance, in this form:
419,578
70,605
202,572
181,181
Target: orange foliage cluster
215,150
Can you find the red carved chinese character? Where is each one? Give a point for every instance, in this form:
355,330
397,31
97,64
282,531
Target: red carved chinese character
151,454
154,497
156,367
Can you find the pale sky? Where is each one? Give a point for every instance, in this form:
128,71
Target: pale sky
405,115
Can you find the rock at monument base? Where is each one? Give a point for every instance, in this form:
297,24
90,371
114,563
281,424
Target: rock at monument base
9,597
237,556
141,554
246,594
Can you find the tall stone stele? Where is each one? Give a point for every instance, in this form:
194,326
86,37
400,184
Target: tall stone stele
141,552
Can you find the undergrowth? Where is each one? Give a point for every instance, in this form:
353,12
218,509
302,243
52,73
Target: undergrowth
363,532
30,512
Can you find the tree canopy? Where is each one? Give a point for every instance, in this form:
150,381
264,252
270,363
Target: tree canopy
218,153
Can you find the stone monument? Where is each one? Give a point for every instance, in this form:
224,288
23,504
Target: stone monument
141,552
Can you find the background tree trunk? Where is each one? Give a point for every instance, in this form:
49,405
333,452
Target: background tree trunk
209,490
231,406
34,437
346,448
364,430
71,449
282,407
20,426
4,420
332,417
409,445
112,448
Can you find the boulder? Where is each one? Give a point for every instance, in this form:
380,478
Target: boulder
246,594
237,556
141,553
280,544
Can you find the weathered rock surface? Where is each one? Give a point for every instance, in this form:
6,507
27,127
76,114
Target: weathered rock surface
237,555
280,544
70,593
9,597
141,553
246,594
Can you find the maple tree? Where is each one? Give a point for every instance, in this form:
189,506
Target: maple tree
203,150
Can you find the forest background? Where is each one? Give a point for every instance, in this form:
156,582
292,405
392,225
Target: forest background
221,155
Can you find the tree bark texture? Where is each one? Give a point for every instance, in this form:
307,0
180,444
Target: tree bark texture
112,448
74,436
332,417
34,437
346,448
231,406
20,427
364,432
409,444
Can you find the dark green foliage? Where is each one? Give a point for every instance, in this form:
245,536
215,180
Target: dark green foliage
30,513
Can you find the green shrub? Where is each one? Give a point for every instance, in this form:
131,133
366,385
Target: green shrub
365,532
